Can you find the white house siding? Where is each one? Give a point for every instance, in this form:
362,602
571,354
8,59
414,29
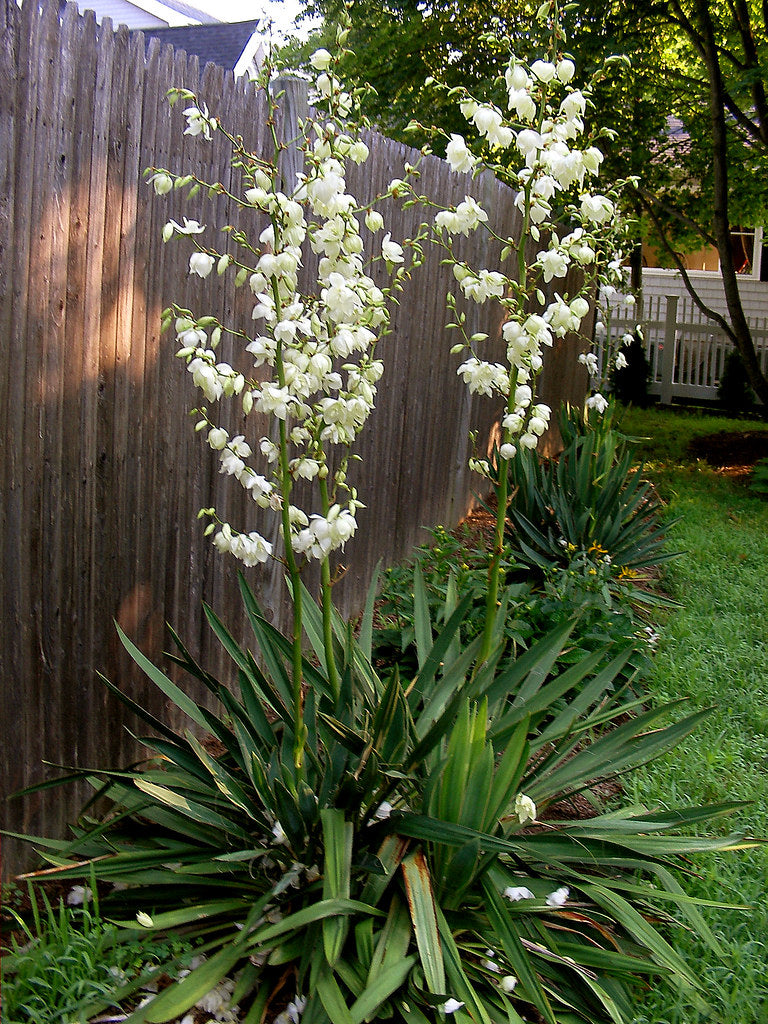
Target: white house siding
754,294
122,13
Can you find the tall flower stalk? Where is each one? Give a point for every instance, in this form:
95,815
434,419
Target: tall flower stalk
314,350
539,146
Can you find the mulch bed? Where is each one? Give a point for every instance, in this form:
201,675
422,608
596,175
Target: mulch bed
733,454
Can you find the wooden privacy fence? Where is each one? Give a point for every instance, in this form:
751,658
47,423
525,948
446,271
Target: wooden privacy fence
102,475
685,350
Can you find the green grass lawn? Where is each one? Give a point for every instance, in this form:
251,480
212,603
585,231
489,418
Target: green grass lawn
713,651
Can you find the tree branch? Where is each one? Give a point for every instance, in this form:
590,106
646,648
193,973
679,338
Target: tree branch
648,199
753,63
710,313
752,129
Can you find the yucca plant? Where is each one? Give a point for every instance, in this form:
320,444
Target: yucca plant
413,871
591,502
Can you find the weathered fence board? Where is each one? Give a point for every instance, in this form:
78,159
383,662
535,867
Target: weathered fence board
101,473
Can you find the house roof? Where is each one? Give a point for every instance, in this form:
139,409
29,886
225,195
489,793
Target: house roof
145,14
231,45
184,9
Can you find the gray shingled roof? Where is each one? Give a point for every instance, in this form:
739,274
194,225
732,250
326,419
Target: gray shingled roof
220,44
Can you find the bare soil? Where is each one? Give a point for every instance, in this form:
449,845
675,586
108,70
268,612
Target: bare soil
732,454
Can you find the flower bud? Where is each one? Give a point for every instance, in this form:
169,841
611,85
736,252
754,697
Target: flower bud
162,182
201,263
544,70
217,438
374,221
321,60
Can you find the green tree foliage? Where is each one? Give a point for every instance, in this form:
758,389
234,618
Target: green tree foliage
689,110
401,45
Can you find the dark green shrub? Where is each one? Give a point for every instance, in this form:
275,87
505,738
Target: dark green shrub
734,391
630,384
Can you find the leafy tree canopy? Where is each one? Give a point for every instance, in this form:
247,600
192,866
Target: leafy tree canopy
656,104
688,111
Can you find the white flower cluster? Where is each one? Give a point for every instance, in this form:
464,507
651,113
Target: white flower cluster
293,1011
465,218
315,352
216,1004
541,137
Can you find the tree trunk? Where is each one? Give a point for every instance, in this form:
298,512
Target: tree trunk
721,226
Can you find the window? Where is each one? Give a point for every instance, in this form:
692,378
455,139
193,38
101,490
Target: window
750,256
746,244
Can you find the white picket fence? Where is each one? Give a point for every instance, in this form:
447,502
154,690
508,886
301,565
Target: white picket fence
685,350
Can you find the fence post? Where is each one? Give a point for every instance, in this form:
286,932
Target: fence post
294,107
668,354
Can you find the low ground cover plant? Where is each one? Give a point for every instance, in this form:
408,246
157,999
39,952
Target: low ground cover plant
451,563
62,958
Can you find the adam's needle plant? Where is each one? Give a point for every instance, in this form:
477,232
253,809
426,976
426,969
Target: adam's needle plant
377,850
319,348
540,148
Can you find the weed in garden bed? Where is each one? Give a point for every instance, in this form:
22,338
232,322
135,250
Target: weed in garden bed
62,958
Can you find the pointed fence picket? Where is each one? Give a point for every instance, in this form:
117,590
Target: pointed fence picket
685,350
